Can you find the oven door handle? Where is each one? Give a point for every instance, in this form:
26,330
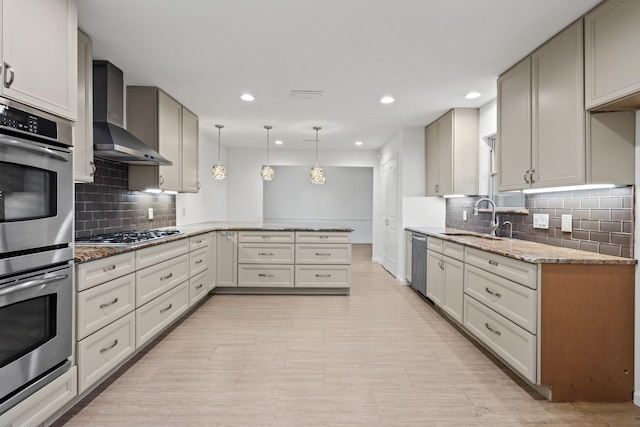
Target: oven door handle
31,284
12,142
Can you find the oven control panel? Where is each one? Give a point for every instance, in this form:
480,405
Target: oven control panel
14,118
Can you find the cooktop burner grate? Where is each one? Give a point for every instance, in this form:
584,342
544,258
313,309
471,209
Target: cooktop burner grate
126,237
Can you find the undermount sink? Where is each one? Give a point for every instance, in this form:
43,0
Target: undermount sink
472,234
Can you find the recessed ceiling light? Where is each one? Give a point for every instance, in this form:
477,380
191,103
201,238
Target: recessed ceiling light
387,100
473,95
278,142
247,97
358,142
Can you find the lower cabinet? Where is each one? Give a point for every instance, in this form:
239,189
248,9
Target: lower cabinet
322,260
445,276
106,349
39,407
322,276
265,276
226,259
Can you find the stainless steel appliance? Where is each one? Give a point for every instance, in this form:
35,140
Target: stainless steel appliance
419,263
36,220
126,237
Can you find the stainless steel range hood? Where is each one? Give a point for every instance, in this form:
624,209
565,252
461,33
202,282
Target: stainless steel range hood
110,140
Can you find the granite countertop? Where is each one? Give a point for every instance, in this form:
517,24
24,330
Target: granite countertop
86,252
536,253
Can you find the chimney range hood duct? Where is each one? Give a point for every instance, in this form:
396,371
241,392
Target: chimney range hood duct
110,140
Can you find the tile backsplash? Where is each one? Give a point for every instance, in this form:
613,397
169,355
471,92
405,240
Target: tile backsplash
107,205
602,220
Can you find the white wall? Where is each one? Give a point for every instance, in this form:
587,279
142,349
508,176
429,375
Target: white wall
487,125
345,199
210,203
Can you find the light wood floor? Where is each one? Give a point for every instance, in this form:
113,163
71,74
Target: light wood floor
379,357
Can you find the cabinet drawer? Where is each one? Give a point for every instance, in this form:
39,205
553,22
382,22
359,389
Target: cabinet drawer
161,252
158,279
435,244
102,270
510,342
197,242
514,301
101,305
323,254
265,253
512,269
104,350
323,237
160,313
265,276
322,276
266,237
197,288
41,405
453,250
198,261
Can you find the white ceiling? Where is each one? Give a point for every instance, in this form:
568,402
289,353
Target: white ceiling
425,53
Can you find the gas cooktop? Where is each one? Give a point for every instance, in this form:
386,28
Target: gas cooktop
126,237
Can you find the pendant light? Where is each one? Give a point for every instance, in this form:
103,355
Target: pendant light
267,173
219,171
317,174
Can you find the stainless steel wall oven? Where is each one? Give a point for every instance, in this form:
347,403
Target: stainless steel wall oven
36,221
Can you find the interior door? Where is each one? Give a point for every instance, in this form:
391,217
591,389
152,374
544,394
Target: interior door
389,178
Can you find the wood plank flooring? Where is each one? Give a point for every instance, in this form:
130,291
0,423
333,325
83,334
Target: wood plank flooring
379,357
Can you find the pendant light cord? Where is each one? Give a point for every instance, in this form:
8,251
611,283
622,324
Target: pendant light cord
267,145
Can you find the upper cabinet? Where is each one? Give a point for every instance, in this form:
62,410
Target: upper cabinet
39,54
541,116
167,127
84,168
451,153
545,138
612,57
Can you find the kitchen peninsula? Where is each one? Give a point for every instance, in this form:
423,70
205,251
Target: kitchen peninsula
562,319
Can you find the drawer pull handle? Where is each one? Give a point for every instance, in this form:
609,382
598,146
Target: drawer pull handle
498,333
199,286
270,275
109,268
490,292
166,308
266,237
323,237
494,263
441,264
265,253
107,304
198,262
323,253
323,275
168,276
115,343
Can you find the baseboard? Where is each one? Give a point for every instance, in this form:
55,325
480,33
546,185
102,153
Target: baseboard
636,398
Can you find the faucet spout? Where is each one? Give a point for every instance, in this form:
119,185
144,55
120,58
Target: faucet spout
492,205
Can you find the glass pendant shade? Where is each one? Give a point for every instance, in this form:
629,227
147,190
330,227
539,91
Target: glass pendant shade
267,173
316,175
219,171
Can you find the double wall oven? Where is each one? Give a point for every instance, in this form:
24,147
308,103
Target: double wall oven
36,220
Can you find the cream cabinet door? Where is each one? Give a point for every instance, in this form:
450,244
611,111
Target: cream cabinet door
432,160
227,259
557,139
435,277
445,153
83,165
169,117
39,53
612,57
189,156
514,127
453,288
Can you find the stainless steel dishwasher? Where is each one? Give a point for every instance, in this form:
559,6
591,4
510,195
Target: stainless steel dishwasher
419,263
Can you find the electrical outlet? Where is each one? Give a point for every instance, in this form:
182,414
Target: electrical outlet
566,223
541,221
150,213
464,215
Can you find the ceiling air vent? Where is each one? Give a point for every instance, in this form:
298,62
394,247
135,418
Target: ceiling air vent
307,94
